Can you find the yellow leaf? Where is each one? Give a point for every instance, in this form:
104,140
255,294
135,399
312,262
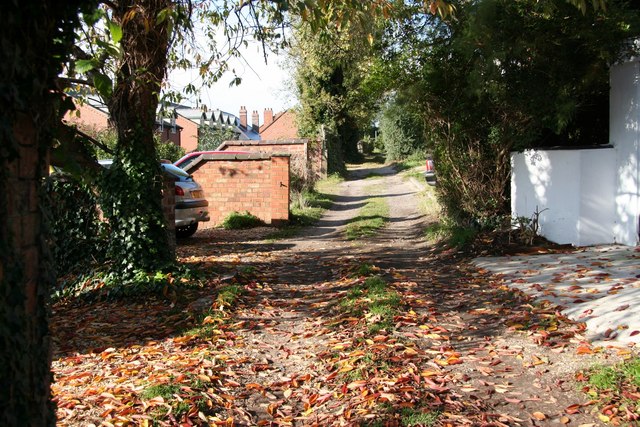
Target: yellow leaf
539,416
604,418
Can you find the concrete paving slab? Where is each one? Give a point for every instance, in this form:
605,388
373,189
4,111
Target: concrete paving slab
598,285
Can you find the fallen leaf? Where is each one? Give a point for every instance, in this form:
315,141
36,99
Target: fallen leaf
539,416
584,349
572,409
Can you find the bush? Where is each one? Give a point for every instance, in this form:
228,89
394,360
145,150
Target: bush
236,221
75,229
401,131
169,151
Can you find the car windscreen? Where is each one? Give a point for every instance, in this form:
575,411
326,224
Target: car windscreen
177,172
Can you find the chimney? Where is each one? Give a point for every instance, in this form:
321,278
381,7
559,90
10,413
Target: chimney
268,116
255,121
243,117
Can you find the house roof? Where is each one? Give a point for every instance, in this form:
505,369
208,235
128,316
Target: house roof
215,118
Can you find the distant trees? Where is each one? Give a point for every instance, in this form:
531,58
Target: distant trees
210,138
331,70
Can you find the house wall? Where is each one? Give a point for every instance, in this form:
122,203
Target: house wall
170,133
624,128
89,118
283,127
257,183
189,134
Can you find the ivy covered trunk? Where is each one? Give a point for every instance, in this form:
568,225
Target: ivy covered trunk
139,241
35,37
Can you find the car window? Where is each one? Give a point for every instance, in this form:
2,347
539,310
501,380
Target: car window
177,172
186,162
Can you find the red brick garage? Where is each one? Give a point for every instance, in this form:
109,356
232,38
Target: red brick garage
253,182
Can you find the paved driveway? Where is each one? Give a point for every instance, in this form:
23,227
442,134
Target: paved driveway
598,285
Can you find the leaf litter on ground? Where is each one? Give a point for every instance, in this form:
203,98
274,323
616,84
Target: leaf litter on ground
459,349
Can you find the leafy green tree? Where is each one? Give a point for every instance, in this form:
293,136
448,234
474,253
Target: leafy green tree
506,75
210,138
401,130
335,94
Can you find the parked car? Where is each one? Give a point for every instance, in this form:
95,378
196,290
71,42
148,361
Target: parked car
430,172
192,207
188,158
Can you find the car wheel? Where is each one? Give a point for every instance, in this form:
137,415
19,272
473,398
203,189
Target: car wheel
186,231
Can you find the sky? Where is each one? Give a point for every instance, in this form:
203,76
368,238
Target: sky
263,85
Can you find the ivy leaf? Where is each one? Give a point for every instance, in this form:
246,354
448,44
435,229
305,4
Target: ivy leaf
85,65
116,32
103,85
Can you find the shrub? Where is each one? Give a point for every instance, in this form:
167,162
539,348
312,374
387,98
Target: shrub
76,233
236,220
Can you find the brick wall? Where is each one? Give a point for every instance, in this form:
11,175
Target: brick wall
169,133
257,183
307,158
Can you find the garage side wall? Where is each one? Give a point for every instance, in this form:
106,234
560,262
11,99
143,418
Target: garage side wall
257,183
308,159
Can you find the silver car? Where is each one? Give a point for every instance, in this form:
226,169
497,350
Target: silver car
191,205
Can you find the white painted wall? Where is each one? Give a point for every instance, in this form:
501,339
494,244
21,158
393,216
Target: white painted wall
592,195
575,188
624,125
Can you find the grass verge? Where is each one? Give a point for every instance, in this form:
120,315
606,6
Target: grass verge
371,217
241,220
308,206
375,302
616,389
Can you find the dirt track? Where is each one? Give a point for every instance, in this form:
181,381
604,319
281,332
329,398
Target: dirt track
499,376
463,350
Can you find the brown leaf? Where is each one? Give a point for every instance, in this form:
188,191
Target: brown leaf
584,349
572,409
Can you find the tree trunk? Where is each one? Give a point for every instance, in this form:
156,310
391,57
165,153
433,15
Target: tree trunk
134,200
36,37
